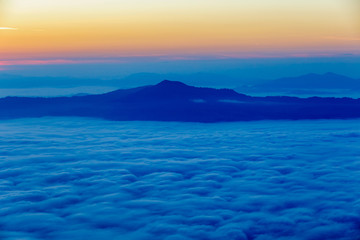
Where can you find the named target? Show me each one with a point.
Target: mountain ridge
(176, 101)
(315, 84)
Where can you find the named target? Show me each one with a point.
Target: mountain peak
(171, 83)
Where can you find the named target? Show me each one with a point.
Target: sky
(57, 33)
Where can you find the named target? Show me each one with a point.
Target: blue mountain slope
(176, 101)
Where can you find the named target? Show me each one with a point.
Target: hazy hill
(176, 101)
(329, 84)
(309, 84)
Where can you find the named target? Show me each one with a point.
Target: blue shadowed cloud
(90, 179)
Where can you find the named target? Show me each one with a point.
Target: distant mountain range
(310, 84)
(329, 84)
(176, 101)
(134, 80)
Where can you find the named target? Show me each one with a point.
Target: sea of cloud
(73, 178)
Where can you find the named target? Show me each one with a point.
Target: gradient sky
(113, 28)
(40, 32)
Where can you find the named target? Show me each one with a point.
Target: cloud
(71, 178)
(8, 28)
(43, 62)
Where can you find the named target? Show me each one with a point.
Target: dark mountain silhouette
(194, 79)
(176, 101)
(329, 84)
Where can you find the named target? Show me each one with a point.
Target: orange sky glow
(41, 29)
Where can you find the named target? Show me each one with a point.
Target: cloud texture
(69, 178)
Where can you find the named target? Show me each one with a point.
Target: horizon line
(128, 59)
